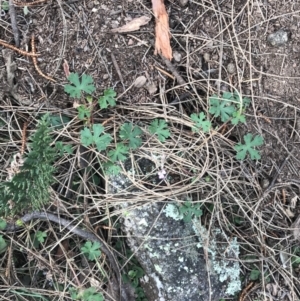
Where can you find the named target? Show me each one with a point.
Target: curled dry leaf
(162, 35)
(133, 25)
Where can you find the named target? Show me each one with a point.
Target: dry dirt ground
(218, 46)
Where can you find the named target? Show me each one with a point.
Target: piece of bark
(133, 25)
(162, 35)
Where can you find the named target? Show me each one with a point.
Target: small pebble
(231, 68)
(177, 56)
(183, 3)
(206, 57)
(140, 81)
(278, 38)
(130, 42)
(151, 87)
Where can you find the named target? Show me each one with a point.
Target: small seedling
(221, 108)
(133, 276)
(201, 122)
(91, 250)
(96, 136)
(189, 210)
(159, 128)
(238, 117)
(230, 106)
(108, 99)
(38, 238)
(86, 85)
(249, 145)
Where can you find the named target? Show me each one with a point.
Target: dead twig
(13, 22)
(35, 62)
(20, 51)
(113, 58)
(29, 3)
(180, 80)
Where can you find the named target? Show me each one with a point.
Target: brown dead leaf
(133, 25)
(162, 35)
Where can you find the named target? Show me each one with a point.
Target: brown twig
(13, 22)
(39, 71)
(180, 80)
(113, 58)
(20, 51)
(245, 291)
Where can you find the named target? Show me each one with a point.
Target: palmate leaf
(221, 108)
(131, 133)
(107, 99)
(159, 128)
(85, 85)
(118, 154)
(97, 136)
(238, 117)
(91, 250)
(200, 122)
(248, 147)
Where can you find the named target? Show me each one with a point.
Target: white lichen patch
(172, 211)
(159, 286)
(223, 257)
(158, 268)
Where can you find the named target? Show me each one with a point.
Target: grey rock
(278, 38)
(182, 261)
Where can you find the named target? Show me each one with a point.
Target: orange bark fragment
(162, 35)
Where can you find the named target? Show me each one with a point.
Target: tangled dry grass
(254, 201)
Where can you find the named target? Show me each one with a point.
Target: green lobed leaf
(83, 112)
(86, 137)
(40, 236)
(159, 128)
(107, 99)
(201, 122)
(248, 147)
(118, 154)
(131, 133)
(221, 108)
(91, 250)
(103, 142)
(238, 117)
(86, 85)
